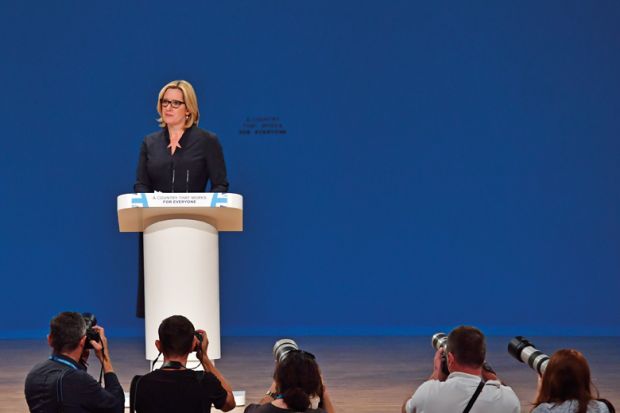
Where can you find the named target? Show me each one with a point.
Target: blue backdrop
(445, 163)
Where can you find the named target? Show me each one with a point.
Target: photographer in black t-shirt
(174, 388)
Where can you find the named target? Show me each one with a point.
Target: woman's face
(173, 116)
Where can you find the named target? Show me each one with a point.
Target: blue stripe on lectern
(217, 200)
(140, 200)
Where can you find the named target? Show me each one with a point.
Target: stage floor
(364, 374)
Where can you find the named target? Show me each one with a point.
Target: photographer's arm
(404, 408)
(327, 401)
(210, 367)
(414, 403)
(112, 398)
(489, 375)
(102, 351)
(437, 372)
(267, 398)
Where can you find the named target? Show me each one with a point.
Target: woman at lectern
(180, 157)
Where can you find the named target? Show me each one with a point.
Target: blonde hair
(189, 96)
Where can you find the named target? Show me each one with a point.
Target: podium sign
(138, 211)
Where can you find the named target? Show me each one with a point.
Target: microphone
(173, 173)
(187, 180)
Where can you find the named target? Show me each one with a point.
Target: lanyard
(173, 365)
(63, 361)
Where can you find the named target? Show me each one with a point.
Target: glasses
(175, 103)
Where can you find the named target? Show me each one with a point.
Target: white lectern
(181, 264)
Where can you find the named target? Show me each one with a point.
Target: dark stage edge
(364, 374)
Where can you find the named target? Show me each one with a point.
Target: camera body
(91, 333)
(199, 337)
(524, 351)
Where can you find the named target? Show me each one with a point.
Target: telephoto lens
(440, 340)
(91, 334)
(282, 347)
(525, 352)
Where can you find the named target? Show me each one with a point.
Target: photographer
(566, 386)
(297, 387)
(61, 383)
(174, 388)
(469, 387)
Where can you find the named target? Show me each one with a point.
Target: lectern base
(181, 276)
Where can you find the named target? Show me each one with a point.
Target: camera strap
(155, 361)
(172, 365)
(474, 397)
(607, 403)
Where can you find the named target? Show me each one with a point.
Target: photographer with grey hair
(61, 383)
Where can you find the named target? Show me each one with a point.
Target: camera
(91, 333)
(199, 337)
(525, 352)
(282, 347)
